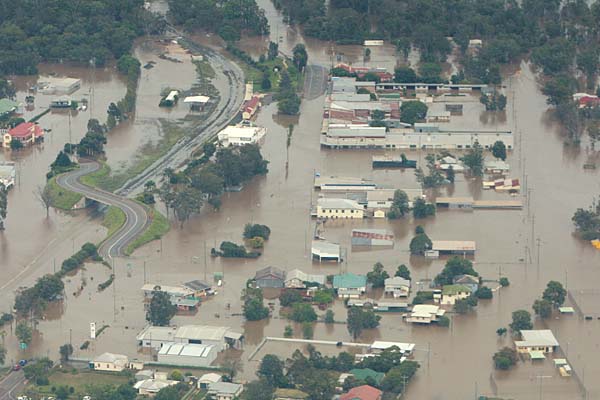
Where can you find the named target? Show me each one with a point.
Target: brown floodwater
(455, 362)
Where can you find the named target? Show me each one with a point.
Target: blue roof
(349, 280)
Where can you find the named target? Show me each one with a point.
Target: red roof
(26, 129)
(364, 392)
(589, 100)
(251, 104)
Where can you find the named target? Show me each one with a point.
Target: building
(372, 237)
(250, 107)
(61, 102)
(405, 348)
(270, 277)
(437, 116)
(225, 390)
(7, 107)
(397, 287)
(425, 314)
(150, 387)
(326, 251)
(221, 337)
(297, 279)
(184, 304)
(207, 379)
(143, 375)
(200, 288)
(462, 247)
(392, 162)
(26, 132)
(110, 362)
(362, 374)
(350, 285)
(542, 340)
(172, 291)
(8, 174)
(337, 208)
(383, 198)
(496, 167)
(364, 392)
(196, 102)
(239, 135)
(452, 293)
(342, 184)
(191, 355)
(52, 85)
(470, 281)
(290, 394)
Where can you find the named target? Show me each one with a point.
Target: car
(16, 367)
(23, 363)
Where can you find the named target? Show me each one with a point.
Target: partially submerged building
(397, 287)
(110, 362)
(542, 340)
(350, 285)
(338, 208)
(26, 132)
(462, 247)
(270, 277)
(425, 314)
(191, 354)
(240, 135)
(452, 293)
(372, 237)
(297, 279)
(221, 337)
(322, 250)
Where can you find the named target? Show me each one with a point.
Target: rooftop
(197, 285)
(324, 248)
(210, 377)
(187, 350)
(364, 373)
(534, 338)
(304, 277)
(397, 281)
(290, 394)
(241, 131)
(202, 332)
(349, 280)
(196, 99)
(453, 245)
(364, 392)
(25, 129)
(270, 271)
(382, 345)
(451, 290)
(7, 105)
(338, 203)
(224, 387)
(111, 358)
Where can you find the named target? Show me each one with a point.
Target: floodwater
(456, 362)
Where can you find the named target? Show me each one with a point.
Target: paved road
(11, 386)
(315, 81)
(136, 216)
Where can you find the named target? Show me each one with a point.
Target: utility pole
(144, 271)
(538, 240)
(205, 261)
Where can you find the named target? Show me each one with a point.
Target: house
(297, 279)
(290, 394)
(184, 304)
(425, 314)
(362, 374)
(250, 107)
(470, 281)
(110, 362)
(224, 390)
(200, 288)
(221, 337)
(26, 132)
(326, 251)
(438, 116)
(190, 355)
(397, 287)
(350, 285)
(144, 374)
(541, 340)
(364, 392)
(207, 379)
(240, 135)
(150, 387)
(462, 247)
(378, 346)
(270, 277)
(452, 293)
(172, 291)
(339, 208)
(53, 85)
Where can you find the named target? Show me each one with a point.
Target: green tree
(412, 111)
(271, 370)
(254, 230)
(323, 296)
(168, 393)
(288, 297)
(377, 276)
(273, 51)
(430, 72)
(542, 308)
(2, 354)
(66, 350)
(185, 203)
(420, 244)
(521, 320)
(455, 266)
(161, 310)
(484, 293)
(422, 209)
(501, 331)
(359, 319)
(3, 205)
(307, 330)
(504, 282)
(474, 159)
(49, 287)
(505, 358)
(463, 306)
(450, 174)
(62, 392)
(403, 272)
(288, 331)
(254, 309)
(265, 83)
(258, 390)
(329, 317)
(399, 206)
(559, 89)
(23, 332)
(303, 312)
(399, 376)
(405, 75)
(300, 56)
(555, 293)
(37, 371)
(499, 150)
(16, 144)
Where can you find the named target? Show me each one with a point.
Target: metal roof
(270, 272)
(337, 203)
(453, 245)
(201, 332)
(187, 350)
(349, 280)
(224, 387)
(197, 285)
(325, 249)
(397, 281)
(539, 337)
(450, 290)
(382, 345)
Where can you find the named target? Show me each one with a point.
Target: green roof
(363, 373)
(7, 106)
(537, 355)
(349, 281)
(450, 290)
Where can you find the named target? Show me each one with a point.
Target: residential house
(190, 355)
(144, 374)
(397, 287)
(364, 392)
(372, 237)
(378, 346)
(362, 374)
(290, 394)
(541, 340)
(225, 390)
(184, 304)
(270, 277)
(222, 337)
(240, 135)
(322, 250)
(350, 285)
(200, 288)
(8, 174)
(462, 247)
(150, 387)
(172, 291)
(470, 281)
(425, 314)
(339, 208)
(250, 107)
(207, 379)
(26, 132)
(452, 293)
(110, 362)
(297, 279)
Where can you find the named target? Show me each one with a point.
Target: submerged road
(13, 383)
(136, 216)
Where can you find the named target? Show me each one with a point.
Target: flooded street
(456, 362)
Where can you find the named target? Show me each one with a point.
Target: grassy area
(61, 198)
(204, 69)
(113, 220)
(79, 381)
(158, 227)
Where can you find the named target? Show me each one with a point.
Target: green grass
(100, 178)
(204, 69)
(80, 381)
(158, 227)
(113, 220)
(61, 198)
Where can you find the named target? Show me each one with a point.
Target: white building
(110, 362)
(397, 287)
(295, 279)
(425, 314)
(339, 208)
(172, 291)
(207, 379)
(52, 85)
(378, 346)
(221, 337)
(225, 390)
(383, 198)
(452, 293)
(239, 135)
(192, 355)
(326, 251)
(537, 340)
(150, 387)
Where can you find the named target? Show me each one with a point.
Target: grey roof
(201, 332)
(197, 285)
(270, 272)
(304, 277)
(224, 387)
(468, 279)
(337, 203)
(397, 281)
(356, 131)
(187, 350)
(534, 338)
(111, 358)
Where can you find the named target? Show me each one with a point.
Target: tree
(254, 230)
(403, 272)
(317, 385)
(504, 282)
(49, 287)
(555, 293)
(300, 56)
(168, 393)
(542, 308)
(412, 111)
(307, 330)
(254, 309)
(463, 306)
(484, 293)
(501, 331)
(66, 350)
(176, 375)
(161, 310)
(329, 317)
(273, 51)
(288, 331)
(359, 319)
(559, 89)
(450, 174)
(405, 75)
(521, 320)
(399, 376)
(289, 296)
(422, 209)
(377, 276)
(420, 244)
(23, 332)
(499, 150)
(258, 390)
(303, 312)
(271, 370)
(505, 358)
(2, 354)
(3, 204)
(265, 83)
(185, 203)
(474, 159)
(455, 266)
(399, 206)
(42, 193)
(62, 392)
(16, 144)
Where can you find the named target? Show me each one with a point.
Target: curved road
(136, 216)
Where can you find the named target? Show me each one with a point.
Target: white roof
(381, 345)
(153, 385)
(325, 249)
(453, 245)
(534, 338)
(196, 99)
(111, 358)
(181, 291)
(234, 131)
(304, 277)
(336, 203)
(397, 281)
(425, 310)
(210, 377)
(187, 350)
(158, 333)
(202, 332)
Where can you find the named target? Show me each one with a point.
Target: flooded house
(297, 279)
(542, 340)
(322, 250)
(270, 277)
(110, 362)
(349, 285)
(222, 337)
(452, 293)
(397, 287)
(27, 133)
(338, 208)
(425, 314)
(240, 135)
